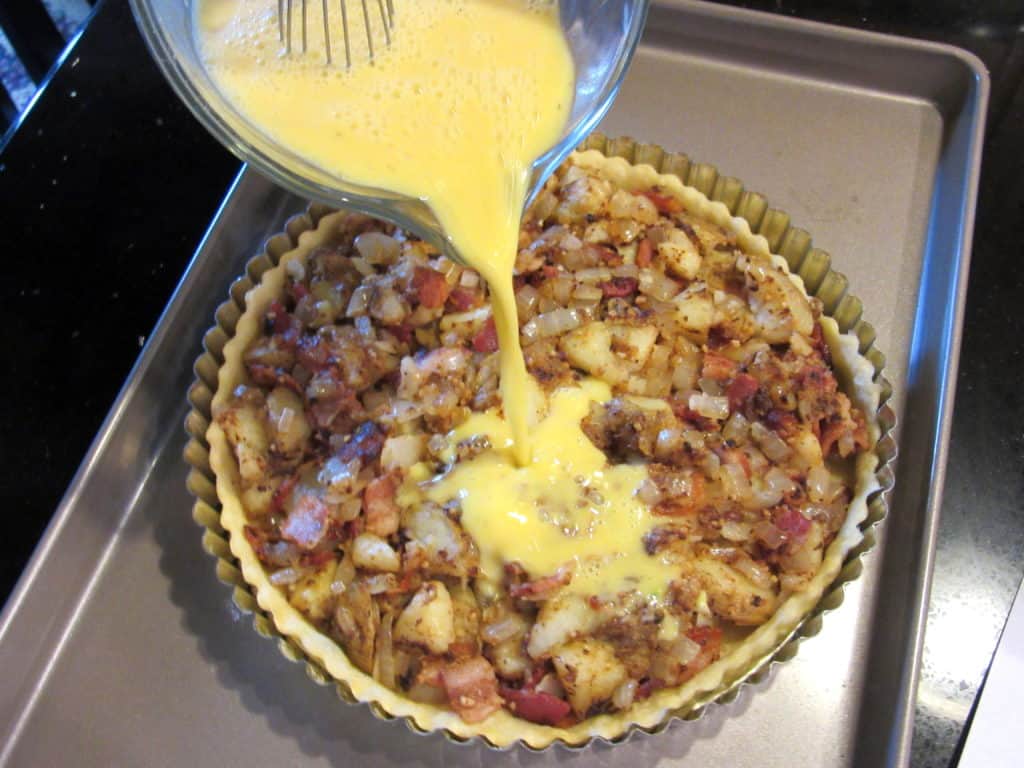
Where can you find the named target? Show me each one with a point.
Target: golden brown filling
(722, 391)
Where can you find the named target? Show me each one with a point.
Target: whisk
(284, 21)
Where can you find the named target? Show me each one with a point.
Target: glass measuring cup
(602, 35)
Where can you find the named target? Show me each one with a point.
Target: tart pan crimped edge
(794, 245)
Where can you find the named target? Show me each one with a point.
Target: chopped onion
(377, 248)
(296, 270)
(624, 695)
(734, 531)
(734, 482)
(626, 270)
(594, 275)
(768, 534)
(288, 576)
(758, 574)
(819, 485)
(648, 492)
(384, 658)
(657, 286)
(364, 326)
(586, 292)
(381, 583)
(685, 650)
(710, 387)
(709, 406)
(561, 289)
(668, 442)
(503, 629)
(553, 323)
(526, 302)
(469, 279)
(735, 428)
(552, 685)
(774, 447)
(359, 302)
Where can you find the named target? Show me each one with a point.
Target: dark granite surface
(108, 183)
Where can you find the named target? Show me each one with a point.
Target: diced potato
(312, 595)
(243, 426)
(467, 620)
(428, 621)
(402, 451)
(286, 417)
(465, 324)
(589, 673)
(375, 554)
(596, 232)
(731, 595)
(626, 205)
(682, 258)
(778, 305)
(561, 619)
(634, 343)
(583, 196)
(694, 309)
(257, 498)
(357, 618)
(808, 448)
(509, 660)
(440, 539)
(609, 351)
(590, 348)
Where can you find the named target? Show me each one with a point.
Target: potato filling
(717, 401)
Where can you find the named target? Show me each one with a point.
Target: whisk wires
(385, 9)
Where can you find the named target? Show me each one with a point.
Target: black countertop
(108, 183)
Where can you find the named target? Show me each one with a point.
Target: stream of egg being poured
(454, 112)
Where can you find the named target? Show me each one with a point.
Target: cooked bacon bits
(430, 287)
(619, 287)
(379, 505)
(472, 688)
(536, 706)
(379, 346)
(306, 523)
(486, 341)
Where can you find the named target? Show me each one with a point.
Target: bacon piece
(644, 253)
(619, 287)
(647, 687)
(742, 388)
(382, 512)
(472, 688)
(430, 287)
(710, 641)
(314, 353)
(791, 522)
(783, 422)
(486, 340)
(463, 299)
(306, 524)
(543, 588)
(679, 506)
(273, 552)
(365, 444)
(683, 411)
(536, 706)
(403, 332)
(283, 493)
(664, 203)
(718, 367)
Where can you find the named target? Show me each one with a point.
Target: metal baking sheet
(119, 647)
